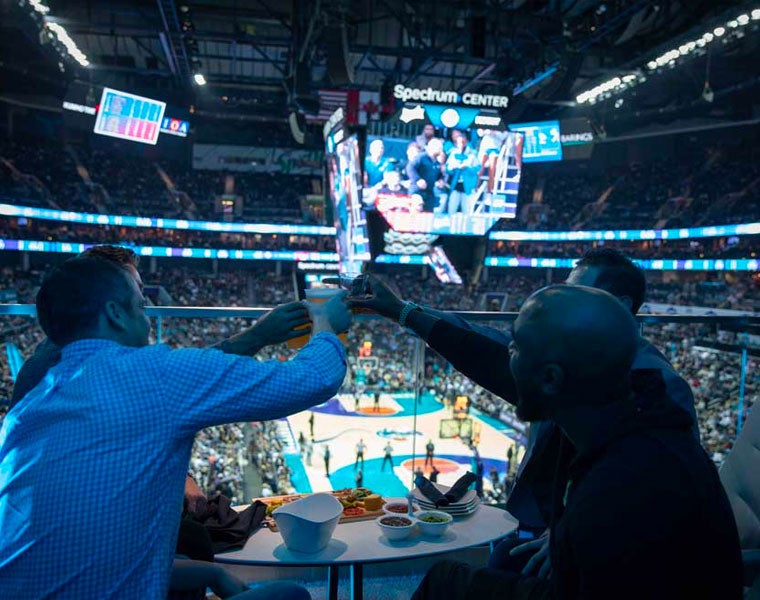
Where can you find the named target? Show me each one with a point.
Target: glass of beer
(317, 296)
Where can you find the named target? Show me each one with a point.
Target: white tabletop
(363, 542)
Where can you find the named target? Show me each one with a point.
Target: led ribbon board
(711, 264)
(684, 233)
(170, 252)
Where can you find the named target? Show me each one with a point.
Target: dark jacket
(646, 516)
(424, 167)
(482, 354)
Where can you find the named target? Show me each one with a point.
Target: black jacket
(645, 516)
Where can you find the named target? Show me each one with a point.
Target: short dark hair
(117, 254)
(74, 294)
(618, 274)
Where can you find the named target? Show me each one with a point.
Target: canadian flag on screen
(369, 107)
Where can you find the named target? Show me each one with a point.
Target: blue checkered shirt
(93, 460)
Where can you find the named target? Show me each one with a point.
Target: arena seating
(712, 185)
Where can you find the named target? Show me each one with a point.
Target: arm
(480, 353)
(275, 327)
(202, 388)
(205, 387)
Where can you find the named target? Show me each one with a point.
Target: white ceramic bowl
(433, 529)
(307, 524)
(403, 501)
(396, 532)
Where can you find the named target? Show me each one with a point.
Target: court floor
(340, 423)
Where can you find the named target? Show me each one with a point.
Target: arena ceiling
(265, 57)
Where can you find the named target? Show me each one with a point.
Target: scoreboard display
(542, 141)
(129, 117)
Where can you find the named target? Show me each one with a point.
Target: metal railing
(745, 323)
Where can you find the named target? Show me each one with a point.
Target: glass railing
(399, 397)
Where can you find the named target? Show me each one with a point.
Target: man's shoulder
(645, 464)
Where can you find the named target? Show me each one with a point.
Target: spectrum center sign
(431, 95)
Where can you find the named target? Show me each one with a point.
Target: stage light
(39, 7)
(743, 19)
(708, 37)
(719, 31)
(755, 14)
(733, 23)
(199, 79)
(68, 43)
(652, 65)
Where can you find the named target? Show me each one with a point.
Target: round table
(358, 543)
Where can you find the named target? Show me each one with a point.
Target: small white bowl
(307, 524)
(396, 532)
(433, 529)
(403, 501)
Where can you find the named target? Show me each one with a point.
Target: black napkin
(461, 486)
(226, 527)
(430, 491)
(455, 494)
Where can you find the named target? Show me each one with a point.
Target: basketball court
(342, 421)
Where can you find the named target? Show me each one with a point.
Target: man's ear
(115, 315)
(552, 378)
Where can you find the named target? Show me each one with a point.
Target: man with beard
(480, 353)
(643, 513)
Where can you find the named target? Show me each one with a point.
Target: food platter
(352, 500)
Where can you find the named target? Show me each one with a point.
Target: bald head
(571, 344)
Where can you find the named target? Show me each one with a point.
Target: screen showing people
(450, 181)
(344, 181)
(441, 265)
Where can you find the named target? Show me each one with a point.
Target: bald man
(479, 353)
(643, 513)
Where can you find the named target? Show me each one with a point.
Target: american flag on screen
(359, 106)
(329, 102)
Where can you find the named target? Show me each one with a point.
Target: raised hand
(332, 316)
(380, 299)
(279, 324)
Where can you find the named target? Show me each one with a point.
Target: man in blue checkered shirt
(93, 461)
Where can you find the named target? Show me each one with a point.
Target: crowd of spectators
(94, 180)
(715, 248)
(714, 375)
(706, 185)
(218, 460)
(266, 453)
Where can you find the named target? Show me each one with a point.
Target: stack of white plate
(467, 505)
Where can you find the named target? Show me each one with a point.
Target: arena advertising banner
(251, 159)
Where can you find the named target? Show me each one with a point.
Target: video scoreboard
(129, 117)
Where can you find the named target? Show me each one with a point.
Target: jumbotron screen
(344, 187)
(448, 175)
(129, 117)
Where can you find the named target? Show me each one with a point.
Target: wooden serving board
(269, 521)
(367, 516)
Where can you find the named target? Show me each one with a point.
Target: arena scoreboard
(129, 117)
